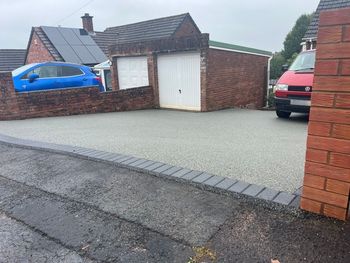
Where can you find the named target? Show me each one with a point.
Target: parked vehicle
(54, 75)
(103, 70)
(293, 89)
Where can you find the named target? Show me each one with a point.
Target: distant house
(310, 37)
(63, 44)
(184, 67)
(11, 59)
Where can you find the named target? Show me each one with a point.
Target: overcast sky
(260, 24)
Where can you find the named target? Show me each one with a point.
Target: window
(304, 61)
(34, 71)
(108, 79)
(66, 71)
(48, 72)
(43, 72)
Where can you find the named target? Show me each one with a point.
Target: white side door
(179, 80)
(132, 72)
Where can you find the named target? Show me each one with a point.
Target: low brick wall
(62, 102)
(327, 170)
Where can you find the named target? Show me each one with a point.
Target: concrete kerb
(199, 179)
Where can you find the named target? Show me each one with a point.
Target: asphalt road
(56, 208)
(252, 146)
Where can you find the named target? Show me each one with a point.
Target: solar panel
(84, 37)
(54, 35)
(68, 54)
(84, 54)
(97, 53)
(75, 45)
(69, 35)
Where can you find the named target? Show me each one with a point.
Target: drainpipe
(268, 81)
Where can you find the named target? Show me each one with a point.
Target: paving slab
(162, 168)
(154, 166)
(181, 173)
(268, 194)
(213, 181)
(239, 187)
(284, 198)
(253, 190)
(172, 170)
(226, 183)
(191, 175)
(201, 178)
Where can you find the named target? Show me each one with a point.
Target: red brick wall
(37, 52)
(235, 80)
(327, 169)
(187, 28)
(68, 101)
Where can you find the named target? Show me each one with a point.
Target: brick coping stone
(198, 179)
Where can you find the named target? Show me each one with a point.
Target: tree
(294, 37)
(276, 65)
(291, 46)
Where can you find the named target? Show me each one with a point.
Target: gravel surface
(253, 146)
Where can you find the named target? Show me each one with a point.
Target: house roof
(146, 30)
(312, 30)
(11, 59)
(237, 48)
(70, 45)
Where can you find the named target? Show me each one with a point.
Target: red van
(293, 89)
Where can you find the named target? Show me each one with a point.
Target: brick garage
(63, 102)
(327, 170)
(228, 76)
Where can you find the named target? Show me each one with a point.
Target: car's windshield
(20, 70)
(304, 61)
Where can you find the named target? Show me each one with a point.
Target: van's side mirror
(33, 77)
(285, 67)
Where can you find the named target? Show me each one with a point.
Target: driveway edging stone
(198, 179)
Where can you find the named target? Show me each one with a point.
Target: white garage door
(179, 81)
(132, 72)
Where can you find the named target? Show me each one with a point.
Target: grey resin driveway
(253, 146)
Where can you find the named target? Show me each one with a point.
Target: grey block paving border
(196, 178)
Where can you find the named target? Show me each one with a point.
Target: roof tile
(11, 59)
(312, 30)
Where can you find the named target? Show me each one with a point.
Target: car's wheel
(283, 114)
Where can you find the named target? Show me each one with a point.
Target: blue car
(54, 75)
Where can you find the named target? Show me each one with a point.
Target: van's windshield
(304, 61)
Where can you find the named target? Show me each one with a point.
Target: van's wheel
(283, 114)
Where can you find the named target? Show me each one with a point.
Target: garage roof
(241, 49)
(146, 30)
(312, 30)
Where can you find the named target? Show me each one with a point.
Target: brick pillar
(8, 98)
(114, 73)
(327, 167)
(204, 70)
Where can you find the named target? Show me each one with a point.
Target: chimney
(87, 23)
